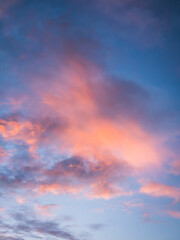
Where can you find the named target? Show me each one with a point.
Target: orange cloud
(96, 190)
(160, 190)
(76, 114)
(56, 188)
(75, 105)
(87, 132)
(24, 131)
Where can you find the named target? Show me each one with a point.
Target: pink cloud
(25, 131)
(161, 190)
(107, 191)
(112, 145)
(56, 188)
(133, 204)
(174, 214)
(45, 210)
(87, 131)
(82, 114)
(20, 199)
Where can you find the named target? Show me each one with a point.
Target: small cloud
(97, 226)
(20, 199)
(45, 210)
(161, 190)
(127, 206)
(146, 216)
(174, 214)
(1, 209)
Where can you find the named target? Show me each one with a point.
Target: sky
(89, 119)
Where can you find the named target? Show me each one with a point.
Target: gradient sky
(89, 119)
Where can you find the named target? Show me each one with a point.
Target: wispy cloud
(174, 214)
(161, 190)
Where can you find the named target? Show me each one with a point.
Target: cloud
(136, 21)
(161, 190)
(89, 117)
(77, 175)
(78, 130)
(175, 167)
(86, 113)
(146, 216)
(45, 210)
(67, 126)
(45, 228)
(97, 226)
(20, 199)
(128, 206)
(107, 191)
(26, 225)
(1, 209)
(4, 155)
(174, 214)
(25, 131)
(8, 237)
